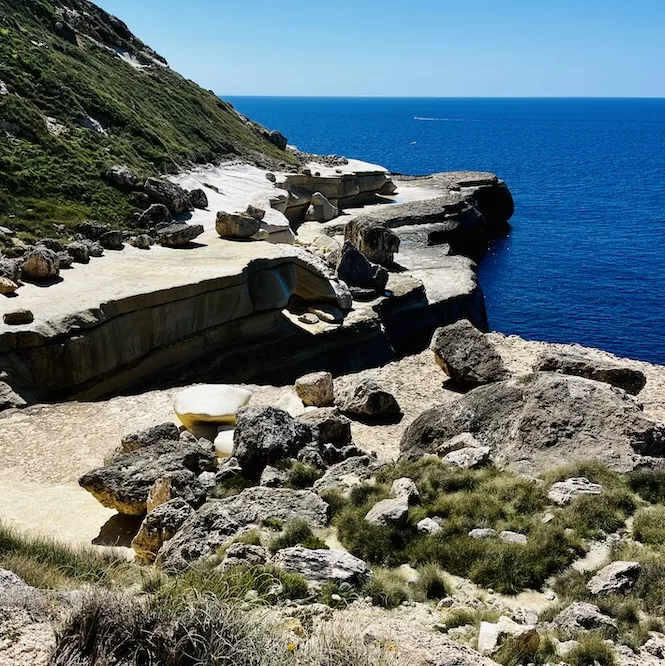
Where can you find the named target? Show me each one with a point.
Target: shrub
(649, 484)
(592, 650)
(297, 533)
(649, 526)
(300, 476)
(432, 581)
(388, 588)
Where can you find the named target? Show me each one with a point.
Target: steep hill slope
(80, 93)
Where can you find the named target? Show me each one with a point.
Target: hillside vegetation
(80, 93)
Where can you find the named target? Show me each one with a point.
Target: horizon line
(613, 97)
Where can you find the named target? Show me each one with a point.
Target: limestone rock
(169, 194)
(18, 317)
(253, 505)
(615, 578)
(7, 286)
(513, 537)
(124, 482)
(228, 469)
(405, 488)
(531, 423)
(242, 554)
(255, 213)
(428, 526)
(179, 234)
(471, 457)
(52, 244)
(236, 225)
(366, 399)
(39, 263)
(266, 435)
(564, 492)
(201, 535)
(224, 441)
(149, 436)
(464, 440)
(346, 474)
(524, 638)
(79, 252)
(375, 240)
(10, 269)
(210, 403)
(582, 616)
(389, 512)
(160, 525)
(356, 270)
(198, 198)
(65, 260)
(112, 240)
(316, 389)
(321, 210)
(321, 566)
(121, 177)
(277, 139)
(629, 379)
(482, 533)
(271, 477)
(182, 484)
(291, 404)
(332, 426)
(9, 398)
(467, 356)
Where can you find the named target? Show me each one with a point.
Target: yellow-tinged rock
(210, 403)
(7, 286)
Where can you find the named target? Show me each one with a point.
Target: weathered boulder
(523, 638)
(65, 261)
(79, 252)
(39, 263)
(266, 435)
(236, 225)
(149, 436)
(160, 525)
(91, 230)
(508, 536)
(615, 578)
(356, 270)
(330, 424)
(153, 215)
(141, 242)
(321, 210)
(467, 356)
(95, 248)
(18, 317)
(531, 423)
(271, 477)
(291, 404)
(346, 474)
(367, 400)
(7, 286)
(255, 212)
(179, 234)
(198, 198)
(52, 244)
(482, 533)
(321, 566)
(470, 457)
(564, 492)
(200, 536)
(243, 554)
(112, 240)
(428, 526)
(389, 512)
(277, 139)
(210, 403)
(405, 488)
(582, 616)
(629, 379)
(169, 194)
(10, 269)
(121, 177)
(253, 505)
(124, 482)
(183, 484)
(316, 389)
(9, 398)
(375, 240)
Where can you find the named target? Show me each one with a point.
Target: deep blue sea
(585, 261)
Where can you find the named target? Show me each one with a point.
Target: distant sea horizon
(585, 260)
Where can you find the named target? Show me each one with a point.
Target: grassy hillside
(65, 61)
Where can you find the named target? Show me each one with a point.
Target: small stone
(482, 533)
(428, 526)
(7, 286)
(469, 458)
(309, 318)
(405, 488)
(18, 318)
(316, 389)
(513, 537)
(564, 492)
(255, 213)
(389, 512)
(236, 225)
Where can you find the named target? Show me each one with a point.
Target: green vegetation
(297, 533)
(300, 476)
(487, 498)
(591, 651)
(649, 526)
(155, 121)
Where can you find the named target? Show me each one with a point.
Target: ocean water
(585, 261)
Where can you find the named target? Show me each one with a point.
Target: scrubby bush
(300, 476)
(388, 588)
(297, 533)
(649, 484)
(649, 526)
(592, 651)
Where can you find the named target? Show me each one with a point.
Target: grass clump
(649, 484)
(649, 526)
(388, 588)
(300, 476)
(592, 651)
(512, 654)
(297, 533)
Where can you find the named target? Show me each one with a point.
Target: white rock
(566, 491)
(210, 404)
(224, 441)
(291, 404)
(488, 637)
(428, 526)
(406, 488)
(513, 537)
(316, 389)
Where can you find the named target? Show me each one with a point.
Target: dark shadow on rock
(119, 530)
(390, 419)
(184, 217)
(12, 295)
(192, 245)
(45, 283)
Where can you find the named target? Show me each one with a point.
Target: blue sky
(610, 48)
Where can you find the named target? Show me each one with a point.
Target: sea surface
(585, 261)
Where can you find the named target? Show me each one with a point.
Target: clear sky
(612, 48)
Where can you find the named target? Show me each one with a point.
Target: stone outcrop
(236, 225)
(629, 379)
(582, 616)
(615, 578)
(124, 482)
(533, 422)
(367, 400)
(467, 356)
(564, 492)
(169, 194)
(321, 566)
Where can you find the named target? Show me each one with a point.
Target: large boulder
(320, 566)
(534, 422)
(392, 511)
(179, 234)
(321, 210)
(346, 474)
(330, 424)
(277, 139)
(124, 482)
(40, 263)
(564, 492)
(210, 403)
(198, 198)
(629, 379)
(79, 252)
(356, 270)
(375, 240)
(316, 389)
(159, 433)
(10, 269)
(160, 525)
(582, 616)
(265, 435)
(367, 400)
(236, 226)
(467, 356)
(181, 484)
(167, 193)
(112, 240)
(155, 214)
(615, 578)
(121, 177)
(200, 536)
